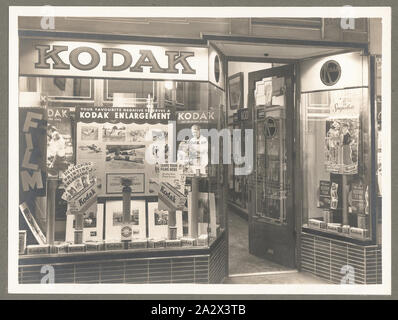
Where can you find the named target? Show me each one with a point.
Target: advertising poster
(59, 140)
(118, 140)
(193, 141)
(341, 145)
(324, 194)
(32, 165)
(114, 219)
(93, 220)
(158, 226)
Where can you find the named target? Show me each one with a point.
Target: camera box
(346, 229)
(77, 248)
(203, 240)
(60, 248)
(156, 243)
(188, 242)
(94, 246)
(359, 233)
(138, 244)
(336, 227)
(173, 243)
(114, 245)
(38, 249)
(314, 223)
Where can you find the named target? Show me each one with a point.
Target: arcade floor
(247, 268)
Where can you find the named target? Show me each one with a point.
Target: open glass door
(271, 216)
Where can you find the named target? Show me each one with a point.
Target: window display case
(134, 143)
(126, 166)
(335, 134)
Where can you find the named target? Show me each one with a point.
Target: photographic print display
(93, 220)
(114, 215)
(158, 227)
(89, 133)
(125, 136)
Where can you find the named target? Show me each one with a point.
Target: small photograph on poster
(125, 156)
(89, 219)
(92, 224)
(118, 217)
(137, 133)
(89, 133)
(114, 218)
(161, 217)
(157, 133)
(113, 132)
(113, 182)
(90, 151)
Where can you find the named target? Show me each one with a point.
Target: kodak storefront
(116, 180)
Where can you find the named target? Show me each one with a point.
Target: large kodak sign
(72, 58)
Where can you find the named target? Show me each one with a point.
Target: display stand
(126, 231)
(78, 238)
(194, 205)
(172, 224)
(52, 184)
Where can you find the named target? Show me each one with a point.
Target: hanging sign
(89, 59)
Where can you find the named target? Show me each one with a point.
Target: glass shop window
(336, 158)
(139, 203)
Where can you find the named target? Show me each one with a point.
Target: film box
(359, 232)
(314, 223)
(173, 243)
(346, 229)
(335, 227)
(202, 240)
(156, 243)
(22, 242)
(114, 245)
(94, 246)
(38, 249)
(138, 244)
(188, 242)
(77, 248)
(60, 248)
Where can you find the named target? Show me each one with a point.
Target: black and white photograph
(89, 133)
(113, 132)
(125, 156)
(253, 156)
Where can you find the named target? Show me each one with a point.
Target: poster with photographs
(193, 144)
(93, 219)
(341, 145)
(90, 151)
(89, 133)
(114, 219)
(113, 132)
(118, 141)
(158, 222)
(129, 156)
(59, 140)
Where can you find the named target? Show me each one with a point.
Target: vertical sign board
(32, 161)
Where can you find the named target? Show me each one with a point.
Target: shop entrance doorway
(271, 205)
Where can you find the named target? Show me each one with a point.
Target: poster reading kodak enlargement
(118, 141)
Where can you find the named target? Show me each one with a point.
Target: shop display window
(116, 174)
(336, 159)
